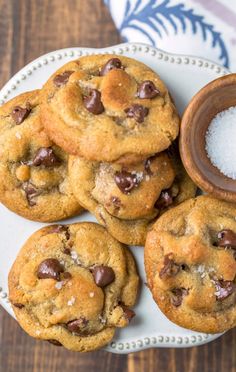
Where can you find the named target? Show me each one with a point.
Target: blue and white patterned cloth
(204, 28)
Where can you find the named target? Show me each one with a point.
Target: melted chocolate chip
(113, 63)
(103, 275)
(50, 268)
(77, 325)
(137, 112)
(227, 239)
(66, 276)
(126, 181)
(147, 90)
(46, 156)
(54, 342)
(18, 305)
(62, 79)
(61, 229)
(165, 200)
(178, 295)
(67, 251)
(93, 102)
(19, 114)
(224, 288)
(128, 313)
(30, 192)
(170, 268)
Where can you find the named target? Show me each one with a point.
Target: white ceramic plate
(184, 76)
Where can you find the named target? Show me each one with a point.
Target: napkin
(203, 28)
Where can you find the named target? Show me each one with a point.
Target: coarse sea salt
(18, 135)
(220, 142)
(71, 301)
(59, 285)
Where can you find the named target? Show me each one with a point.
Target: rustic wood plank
(29, 28)
(6, 30)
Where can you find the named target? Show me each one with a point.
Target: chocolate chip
(19, 114)
(113, 63)
(18, 305)
(66, 275)
(46, 156)
(93, 102)
(227, 239)
(30, 192)
(54, 342)
(128, 313)
(103, 275)
(77, 325)
(50, 268)
(62, 79)
(224, 288)
(170, 268)
(60, 229)
(147, 166)
(67, 251)
(178, 295)
(165, 200)
(137, 112)
(147, 90)
(57, 229)
(126, 181)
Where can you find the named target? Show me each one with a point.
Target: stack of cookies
(116, 119)
(101, 135)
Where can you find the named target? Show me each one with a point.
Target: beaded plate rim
(50, 57)
(11, 86)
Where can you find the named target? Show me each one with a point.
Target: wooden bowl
(216, 96)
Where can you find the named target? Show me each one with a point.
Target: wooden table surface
(28, 29)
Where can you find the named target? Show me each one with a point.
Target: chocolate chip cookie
(190, 263)
(33, 170)
(127, 199)
(109, 108)
(73, 285)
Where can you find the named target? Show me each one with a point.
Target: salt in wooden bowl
(215, 97)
